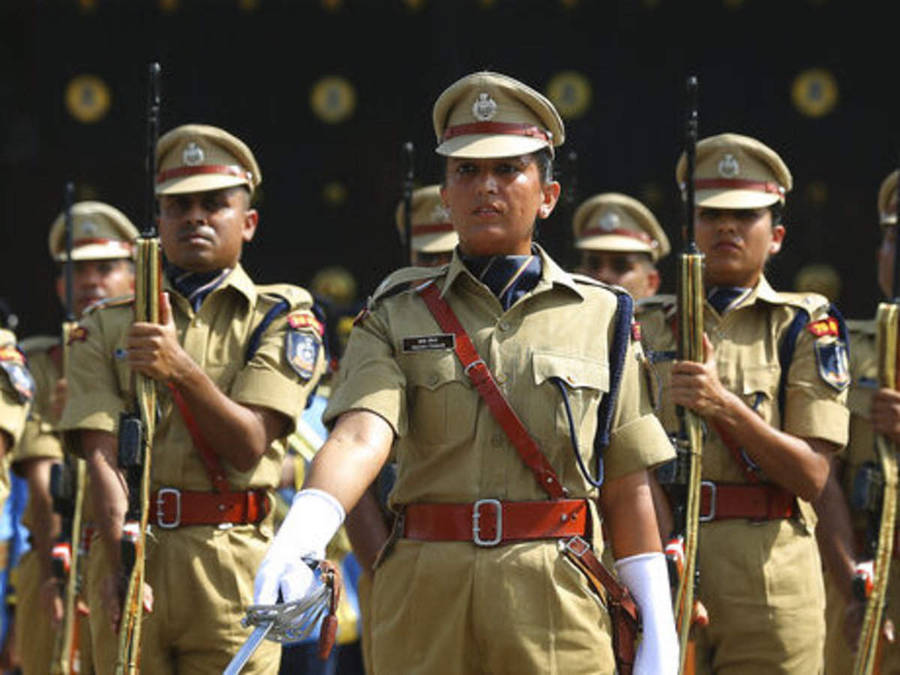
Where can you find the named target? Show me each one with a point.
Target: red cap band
(221, 169)
(507, 128)
(739, 184)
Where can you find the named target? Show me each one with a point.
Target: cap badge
(609, 221)
(441, 214)
(88, 228)
(728, 166)
(193, 154)
(484, 107)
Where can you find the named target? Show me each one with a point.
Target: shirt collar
(238, 279)
(551, 273)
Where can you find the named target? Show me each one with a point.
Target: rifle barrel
(69, 264)
(153, 105)
(691, 127)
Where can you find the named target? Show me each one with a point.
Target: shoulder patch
(118, 301)
(302, 342)
(833, 363)
(12, 362)
(824, 327)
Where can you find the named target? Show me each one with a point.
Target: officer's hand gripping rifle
(886, 344)
(689, 441)
(137, 427)
(68, 494)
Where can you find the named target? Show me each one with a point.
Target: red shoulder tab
(300, 320)
(636, 331)
(824, 327)
(78, 334)
(12, 354)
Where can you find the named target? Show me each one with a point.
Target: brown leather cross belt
(489, 522)
(171, 508)
(759, 501)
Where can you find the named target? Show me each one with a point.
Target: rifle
(68, 495)
(887, 319)
(137, 427)
(681, 550)
(409, 177)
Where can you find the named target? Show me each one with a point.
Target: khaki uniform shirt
(100, 382)
(16, 394)
(760, 581)
(40, 439)
(452, 607)
(203, 575)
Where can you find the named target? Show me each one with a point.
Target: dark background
(249, 66)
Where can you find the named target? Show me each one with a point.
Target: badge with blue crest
(300, 345)
(833, 363)
(13, 363)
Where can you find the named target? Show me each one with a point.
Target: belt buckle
(160, 510)
(476, 517)
(712, 501)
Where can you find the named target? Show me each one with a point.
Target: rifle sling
(210, 459)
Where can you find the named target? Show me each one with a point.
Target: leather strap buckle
(161, 508)
(476, 522)
(713, 493)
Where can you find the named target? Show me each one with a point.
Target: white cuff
(647, 578)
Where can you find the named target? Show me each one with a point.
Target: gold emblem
(87, 98)
(440, 214)
(609, 221)
(728, 166)
(333, 99)
(88, 229)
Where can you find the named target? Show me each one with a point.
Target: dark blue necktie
(195, 286)
(720, 297)
(508, 276)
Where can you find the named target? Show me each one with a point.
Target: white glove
(647, 578)
(310, 524)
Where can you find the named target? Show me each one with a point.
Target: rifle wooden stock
(146, 308)
(690, 348)
(867, 652)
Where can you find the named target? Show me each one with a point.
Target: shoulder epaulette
(591, 281)
(106, 303)
(295, 295)
(861, 326)
(39, 343)
(403, 279)
(665, 303)
(811, 302)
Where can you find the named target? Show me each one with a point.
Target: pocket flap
(431, 370)
(760, 379)
(575, 371)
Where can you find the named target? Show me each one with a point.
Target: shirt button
(504, 325)
(496, 440)
(501, 378)
(432, 379)
(570, 379)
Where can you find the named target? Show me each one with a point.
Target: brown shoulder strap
(483, 381)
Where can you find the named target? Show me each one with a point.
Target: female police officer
(475, 580)
(772, 391)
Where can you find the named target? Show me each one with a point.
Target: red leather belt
(760, 501)
(171, 508)
(489, 522)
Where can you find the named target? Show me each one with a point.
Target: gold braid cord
(867, 649)
(690, 337)
(146, 308)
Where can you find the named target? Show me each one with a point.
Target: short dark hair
(543, 158)
(777, 211)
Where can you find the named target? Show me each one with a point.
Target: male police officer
(102, 269)
(236, 363)
(620, 242)
(842, 530)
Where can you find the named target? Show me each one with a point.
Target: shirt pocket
(759, 389)
(442, 403)
(562, 377)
